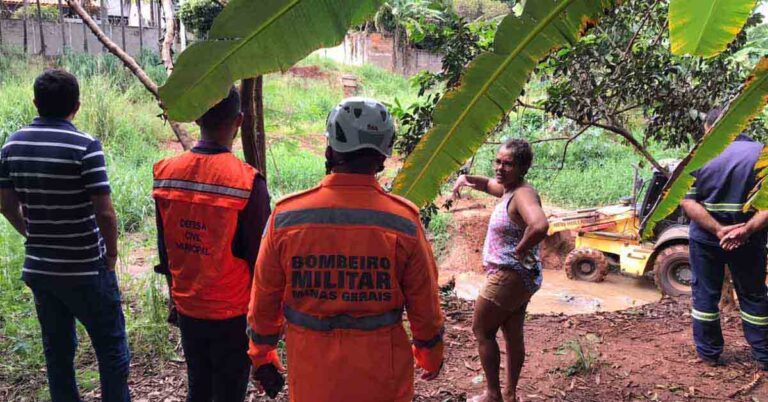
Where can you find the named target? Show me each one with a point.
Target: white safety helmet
(358, 123)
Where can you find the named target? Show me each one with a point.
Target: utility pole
(40, 27)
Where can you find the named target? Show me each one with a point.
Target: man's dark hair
(713, 115)
(223, 112)
(56, 93)
(522, 154)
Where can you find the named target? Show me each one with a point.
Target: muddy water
(558, 294)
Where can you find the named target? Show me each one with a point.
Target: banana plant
(251, 38)
(489, 89)
(706, 27)
(740, 112)
(758, 197)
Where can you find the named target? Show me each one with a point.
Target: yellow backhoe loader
(610, 236)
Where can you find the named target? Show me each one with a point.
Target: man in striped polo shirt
(55, 192)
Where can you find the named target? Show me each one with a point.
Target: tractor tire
(586, 264)
(672, 271)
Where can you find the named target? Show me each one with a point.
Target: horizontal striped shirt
(55, 169)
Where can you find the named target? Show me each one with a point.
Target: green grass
(438, 229)
(597, 170)
(118, 111)
(300, 105)
(292, 169)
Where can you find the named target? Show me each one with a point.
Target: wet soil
(639, 354)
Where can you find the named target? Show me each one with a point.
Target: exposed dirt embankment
(467, 234)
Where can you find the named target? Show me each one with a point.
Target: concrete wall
(73, 35)
(362, 48)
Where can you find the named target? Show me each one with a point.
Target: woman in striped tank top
(511, 260)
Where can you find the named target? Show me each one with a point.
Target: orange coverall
(339, 263)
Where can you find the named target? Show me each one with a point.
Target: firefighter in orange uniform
(339, 263)
(211, 208)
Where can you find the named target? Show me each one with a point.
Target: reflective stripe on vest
(346, 216)
(343, 321)
(203, 187)
(262, 339)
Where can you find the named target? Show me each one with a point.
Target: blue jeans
(747, 266)
(97, 306)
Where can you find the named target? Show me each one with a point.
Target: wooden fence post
(61, 25)
(122, 19)
(2, 8)
(26, 34)
(40, 27)
(141, 27)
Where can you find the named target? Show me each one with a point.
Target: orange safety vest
(199, 198)
(339, 264)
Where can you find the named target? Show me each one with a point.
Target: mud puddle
(558, 294)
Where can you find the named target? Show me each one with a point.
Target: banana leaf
(758, 197)
(706, 27)
(489, 88)
(740, 112)
(254, 37)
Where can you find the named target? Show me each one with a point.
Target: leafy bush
(48, 13)
(198, 15)
(481, 9)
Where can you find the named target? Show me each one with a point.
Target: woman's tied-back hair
(522, 154)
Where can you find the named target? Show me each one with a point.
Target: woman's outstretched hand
(461, 181)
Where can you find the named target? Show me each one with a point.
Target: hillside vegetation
(118, 111)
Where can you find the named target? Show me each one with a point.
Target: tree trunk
(252, 129)
(141, 27)
(85, 30)
(159, 23)
(170, 33)
(151, 13)
(103, 15)
(2, 8)
(40, 27)
(122, 21)
(248, 128)
(395, 47)
(61, 25)
(181, 134)
(26, 44)
(261, 134)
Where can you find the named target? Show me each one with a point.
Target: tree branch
(570, 140)
(181, 134)
(614, 129)
(635, 144)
